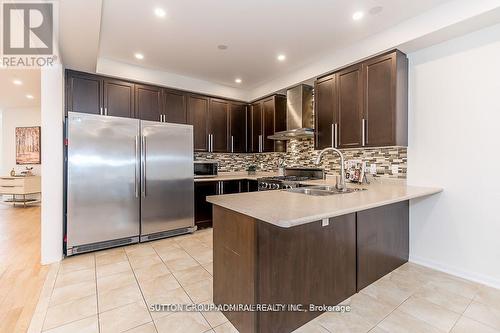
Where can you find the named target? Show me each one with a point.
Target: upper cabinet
(325, 115)
(237, 127)
(197, 113)
(385, 84)
(267, 116)
(349, 129)
(148, 103)
(218, 123)
(84, 93)
(364, 105)
(118, 98)
(174, 106)
(99, 95)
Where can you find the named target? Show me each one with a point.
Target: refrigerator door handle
(137, 167)
(143, 166)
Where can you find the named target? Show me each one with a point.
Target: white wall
(454, 143)
(10, 119)
(52, 168)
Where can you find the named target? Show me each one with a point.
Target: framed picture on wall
(28, 145)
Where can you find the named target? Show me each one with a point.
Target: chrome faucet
(340, 184)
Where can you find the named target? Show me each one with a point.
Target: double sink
(323, 190)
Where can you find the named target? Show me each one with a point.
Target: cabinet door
(147, 102)
(218, 124)
(84, 93)
(382, 241)
(349, 111)
(268, 109)
(232, 186)
(279, 121)
(118, 98)
(174, 106)
(379, 100)
(203, 209)
(197, 109)
(256, 126)
(325, 111)
(238, 128)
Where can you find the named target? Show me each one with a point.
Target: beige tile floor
(109, 291)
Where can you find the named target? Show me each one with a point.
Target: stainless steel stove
(292, 179)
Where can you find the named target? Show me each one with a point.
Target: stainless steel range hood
(299, 114)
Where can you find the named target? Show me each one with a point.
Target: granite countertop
(287, 209)
(235, 176)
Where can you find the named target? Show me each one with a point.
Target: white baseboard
(475, 277)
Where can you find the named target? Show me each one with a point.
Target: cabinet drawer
(11, 190)
(12, 182)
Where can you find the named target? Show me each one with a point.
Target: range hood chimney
(299, 114)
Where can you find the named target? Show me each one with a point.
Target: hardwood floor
(21, 275)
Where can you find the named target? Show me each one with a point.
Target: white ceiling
(14, 96)
(185, 41)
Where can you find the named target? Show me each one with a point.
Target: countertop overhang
(286, 209)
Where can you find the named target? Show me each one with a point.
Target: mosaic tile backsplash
(301, 153)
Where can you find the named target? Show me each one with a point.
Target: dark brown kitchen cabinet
(218, 121)
(365, 104)
(325, 115)
(255, 127)
(267, 117)
(232, 186)
(197, 112)
(237, 127)
(147, 102)
(382, 241)
(349, 108)
(385, 81)
(174, 106)
(203, 209)
(84, 93)
(118, 98)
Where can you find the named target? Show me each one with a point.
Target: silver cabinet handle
(336, 128)
(101, 112)
(212, 143)
(333, 135)
(260, 144)
(160, 118)
(143, 166)
(232, 144)
(363, 129)
(208, 142)
(105, 111)
(136, 167)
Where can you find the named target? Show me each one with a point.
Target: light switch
(395, 169)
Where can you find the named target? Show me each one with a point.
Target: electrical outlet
(325, 222)
(395, 169)
(373, 169)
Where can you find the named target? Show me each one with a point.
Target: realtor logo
(28, 28)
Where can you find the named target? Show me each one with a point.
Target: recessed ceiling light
(160, 12)
(222, 47)
(29, 96)
(281, 57)
(237, 80)
(357, 16)
(17, 82)
(139, 56)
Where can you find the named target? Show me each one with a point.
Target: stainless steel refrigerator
(127, 181)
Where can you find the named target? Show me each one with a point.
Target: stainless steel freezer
(167, 186)
(127, 180)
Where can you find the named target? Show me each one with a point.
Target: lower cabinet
(383, 241)
(202, 189)
(203, 209)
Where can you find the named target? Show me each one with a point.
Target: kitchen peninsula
(280, 247)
